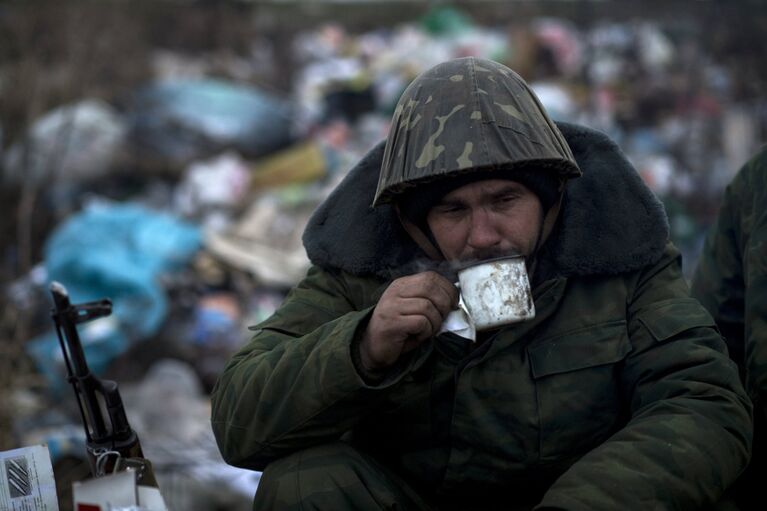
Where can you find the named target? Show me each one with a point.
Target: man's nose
(483, 233)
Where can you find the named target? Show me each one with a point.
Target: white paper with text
(26, 480)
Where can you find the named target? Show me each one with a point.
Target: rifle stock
(111, 442)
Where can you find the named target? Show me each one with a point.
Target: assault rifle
(110, 442)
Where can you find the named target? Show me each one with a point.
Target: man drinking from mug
(617, 394)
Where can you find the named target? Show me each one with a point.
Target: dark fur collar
(610, 221)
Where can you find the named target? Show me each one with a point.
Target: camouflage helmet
(466, 115)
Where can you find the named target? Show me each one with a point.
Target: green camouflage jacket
(731, 277)
(618, 395)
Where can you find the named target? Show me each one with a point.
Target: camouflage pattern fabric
(731, 277)
(458, 117)
(618, 395)
(731, 282)
(333, 476)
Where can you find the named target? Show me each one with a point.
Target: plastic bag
(181, 121)
(116, 252)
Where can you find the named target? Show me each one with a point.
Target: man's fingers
(417, 327)
(432, 286)
(418, 307)
(411, 310)
(446, 296)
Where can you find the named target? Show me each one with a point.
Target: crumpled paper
(459, 322)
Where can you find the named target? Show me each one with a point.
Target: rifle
(111, 445)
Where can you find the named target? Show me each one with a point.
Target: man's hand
(410, 311)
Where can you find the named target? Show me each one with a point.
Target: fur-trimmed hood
(610, 221)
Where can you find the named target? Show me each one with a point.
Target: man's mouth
(484, 255)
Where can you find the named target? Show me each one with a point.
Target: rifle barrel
(86, 386)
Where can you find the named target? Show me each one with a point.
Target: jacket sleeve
(731, 277)
(755, 257)
(719, 282)
(688, 434)
(294, 384)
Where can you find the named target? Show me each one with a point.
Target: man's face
(486, 219)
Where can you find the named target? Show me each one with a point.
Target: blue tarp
(182, 120)
(114, 251)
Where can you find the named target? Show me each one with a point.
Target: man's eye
(450, 209)
(506, 199)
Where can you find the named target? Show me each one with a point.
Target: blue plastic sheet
(182, 120)
(116, 252)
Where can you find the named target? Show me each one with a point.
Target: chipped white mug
(497, 292)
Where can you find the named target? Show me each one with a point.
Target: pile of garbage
(186, 203)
